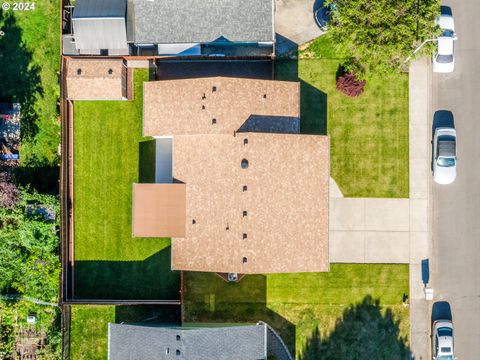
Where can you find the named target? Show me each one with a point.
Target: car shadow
(442, 118)
(445, 10)
(441, 310)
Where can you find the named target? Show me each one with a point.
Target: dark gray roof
(99, 8)
(199, 21)
(100, 24)
(128, 342)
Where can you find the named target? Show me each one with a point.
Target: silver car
(442, 340)
(444, 162)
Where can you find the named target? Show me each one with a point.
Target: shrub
(350, 85)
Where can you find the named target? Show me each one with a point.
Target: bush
(348, 83)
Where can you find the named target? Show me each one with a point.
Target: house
(215, 341)
(237, 187)
(172, 28)
(96, 79)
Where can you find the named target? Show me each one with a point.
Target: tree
(379, 35)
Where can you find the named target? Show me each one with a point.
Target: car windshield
(444, 331)
(445, 357)
(445, 162)
(444, 59)
(448, 33)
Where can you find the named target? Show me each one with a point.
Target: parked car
(444, 58)
(444, 154)
(442, 340)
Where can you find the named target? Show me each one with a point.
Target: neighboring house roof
(158, 210)
(285, 227)
(100, 24)
(95, 79)
(127, 342)
(182, 107)
(193, 21)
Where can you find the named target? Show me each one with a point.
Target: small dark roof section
(193, 21)
(127, 342)
(99, 8)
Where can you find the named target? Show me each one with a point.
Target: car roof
(446, 22)
(445, 45)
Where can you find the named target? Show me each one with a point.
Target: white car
(442, 340)
(444, 58)
(444, 155)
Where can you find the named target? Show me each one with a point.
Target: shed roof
(193, 21)
(127, 342)
(95, 79)
(285, 227)
(158, 210)
(188, 106)
(100, 25)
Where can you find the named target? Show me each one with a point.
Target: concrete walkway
(294, 24)
(367, 230)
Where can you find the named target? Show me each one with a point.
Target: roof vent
(203, 107)
(244, 260)
(194, 221)
(244, 213)
(177, 352)
(110, 71)
(214, 88)
(245, 188)
(79, 71)
(264, 96)
(204, 96)
(244, 236)
(178, 338)
(244, 164)
(214, 121)
(167, 351)
(245, 141)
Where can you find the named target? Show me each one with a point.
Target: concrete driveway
(294, 24)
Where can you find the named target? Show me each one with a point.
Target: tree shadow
(20, 78)
(148, 314)
(363, 332)
(209, 298)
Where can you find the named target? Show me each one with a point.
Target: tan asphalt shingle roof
(175, 107)
(95, 79)
(286, 201)
(158, 210)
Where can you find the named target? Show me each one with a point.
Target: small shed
(99, 27)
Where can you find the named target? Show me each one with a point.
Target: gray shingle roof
(100, 24)
(199, 21)
(128, 342)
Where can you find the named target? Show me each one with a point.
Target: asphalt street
(455, 263)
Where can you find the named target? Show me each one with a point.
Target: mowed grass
(89, 325)
(368, 134)
(89, 331)
(299, 305)
(109, 263)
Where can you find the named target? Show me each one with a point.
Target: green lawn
(89, 325)
(312, 310)
(368, 134)
(109, 263)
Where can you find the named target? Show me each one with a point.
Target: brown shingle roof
(285, 228)
(95, 79)
(182, 107)
(158, 210)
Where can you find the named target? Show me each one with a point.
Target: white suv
(444, 58)
(444, 155)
